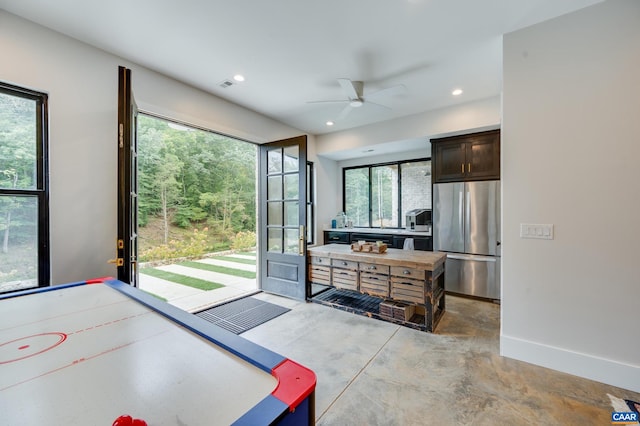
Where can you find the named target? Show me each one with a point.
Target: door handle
(301, 241)
(118, 261)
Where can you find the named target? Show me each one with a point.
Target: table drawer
(319, 260)
(407, 290)
(373, 268)
(320, 274)
(344, 278)
(374, 284)
(346, 264)
(416, 274)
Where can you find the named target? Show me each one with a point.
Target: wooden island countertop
(416, 259)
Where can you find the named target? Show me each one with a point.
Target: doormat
(243, 314)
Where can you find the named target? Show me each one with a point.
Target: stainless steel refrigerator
(466, 225)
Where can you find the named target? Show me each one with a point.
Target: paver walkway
(192, 299)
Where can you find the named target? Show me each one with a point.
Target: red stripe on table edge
(295, 383)
(99, 280)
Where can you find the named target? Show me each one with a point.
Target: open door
(283, 217)
(127, 241)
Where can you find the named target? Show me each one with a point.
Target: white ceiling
(292, 51)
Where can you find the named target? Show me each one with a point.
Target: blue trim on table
(269, 408)
(251, 352)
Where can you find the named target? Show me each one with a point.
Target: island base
(406, 315)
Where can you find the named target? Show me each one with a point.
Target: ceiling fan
(353, 91)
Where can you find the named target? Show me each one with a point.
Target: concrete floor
(375, 373)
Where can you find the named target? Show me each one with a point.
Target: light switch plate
(542, 231)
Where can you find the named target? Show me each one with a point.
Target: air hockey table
(89, 352)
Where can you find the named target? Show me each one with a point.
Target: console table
(414, 279)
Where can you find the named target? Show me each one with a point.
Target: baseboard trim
(602, 370)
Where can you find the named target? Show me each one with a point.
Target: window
(24, 211)
(379, 195)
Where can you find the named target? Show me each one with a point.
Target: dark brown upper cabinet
(474, 156)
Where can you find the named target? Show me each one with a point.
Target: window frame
(310, 204)
(399, 163)
(41, 191)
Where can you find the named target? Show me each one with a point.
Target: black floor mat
(350, 299)
(362, 304)
(243, 314)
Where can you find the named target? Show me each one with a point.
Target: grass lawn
(236, 259)
(219, 269)
(181, 279)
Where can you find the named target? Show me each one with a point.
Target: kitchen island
(400, 286)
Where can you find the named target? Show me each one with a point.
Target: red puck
(124, 420)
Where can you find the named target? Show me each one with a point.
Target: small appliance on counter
(418, 220)
(340, 221)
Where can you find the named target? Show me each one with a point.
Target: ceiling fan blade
(377, 104)
(345, 112)
(350, 88)
(389, 91)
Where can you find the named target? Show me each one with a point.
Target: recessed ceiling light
(238, 77)
(456, 92)
(329, 123)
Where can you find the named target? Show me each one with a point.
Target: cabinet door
(449, 161)
(483, 156)
(419, 243)
(467, 157)
(336, 237)
(387, 239)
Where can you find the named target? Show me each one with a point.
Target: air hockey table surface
(86, 353)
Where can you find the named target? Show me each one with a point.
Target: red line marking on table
(80, 360)
(61, 338)
(64, 315)
(109, 323)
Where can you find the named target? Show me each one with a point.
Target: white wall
(570, 151)
(82, 85)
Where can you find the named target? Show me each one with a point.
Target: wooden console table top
(417, 259)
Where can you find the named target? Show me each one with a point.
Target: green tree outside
(192, 179)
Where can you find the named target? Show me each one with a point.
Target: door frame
(127, 238)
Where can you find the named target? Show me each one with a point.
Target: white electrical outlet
(542, 231)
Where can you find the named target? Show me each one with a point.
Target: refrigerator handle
(471, 257)
(462, 210)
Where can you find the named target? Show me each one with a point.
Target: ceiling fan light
(356, 103)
